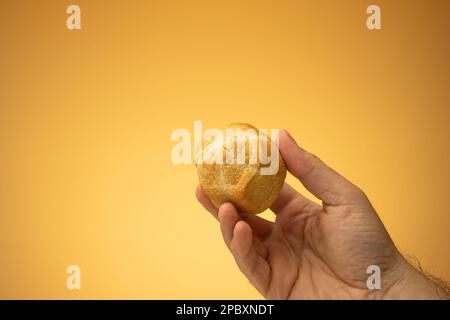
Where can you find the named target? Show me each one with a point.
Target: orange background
(86, 118)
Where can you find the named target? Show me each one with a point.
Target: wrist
(411, 284)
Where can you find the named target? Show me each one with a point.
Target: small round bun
(242, 184)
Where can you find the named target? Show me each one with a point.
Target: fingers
(238, 236)
(289, 199)
(228, 217)
(206, 203)
(322, 181)
(260, 226)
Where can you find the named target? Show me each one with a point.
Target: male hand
(316, 251)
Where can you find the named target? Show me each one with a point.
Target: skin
(315, 251)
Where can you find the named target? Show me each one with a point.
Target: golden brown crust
(241, 184)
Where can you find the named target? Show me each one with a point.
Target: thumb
(319, 179)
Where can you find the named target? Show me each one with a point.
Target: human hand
(315, 251)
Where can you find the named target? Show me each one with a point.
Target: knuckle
(358, 194)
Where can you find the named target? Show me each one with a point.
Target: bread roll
(241, 184)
